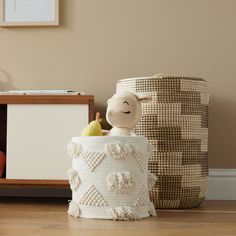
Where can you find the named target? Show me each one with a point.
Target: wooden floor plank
(35, 217)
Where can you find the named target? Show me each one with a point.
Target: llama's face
(123, 111)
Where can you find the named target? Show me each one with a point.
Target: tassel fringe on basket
(123, 213)
(73, 209)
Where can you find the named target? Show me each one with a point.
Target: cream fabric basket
(109, 178)
(176, 123)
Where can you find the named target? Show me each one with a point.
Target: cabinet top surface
(46, 99)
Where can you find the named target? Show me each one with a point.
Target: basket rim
(109, 138)
(196, 78)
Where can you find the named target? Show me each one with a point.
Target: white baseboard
(222, 184)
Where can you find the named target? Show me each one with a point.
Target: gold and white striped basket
(109, 178)
(176, 124)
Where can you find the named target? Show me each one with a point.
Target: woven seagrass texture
(176, 124)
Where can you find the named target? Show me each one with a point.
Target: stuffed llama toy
(124, 111)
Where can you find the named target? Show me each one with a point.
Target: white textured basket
(109, 178)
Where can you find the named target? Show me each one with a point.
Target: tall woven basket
(176, 123)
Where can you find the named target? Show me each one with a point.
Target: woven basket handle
(158, 76)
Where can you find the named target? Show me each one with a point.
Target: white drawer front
(37, 136)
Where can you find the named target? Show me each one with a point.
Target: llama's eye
(126, 112)
(125, 102)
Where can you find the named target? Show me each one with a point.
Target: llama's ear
(108, 101)
(143, 97)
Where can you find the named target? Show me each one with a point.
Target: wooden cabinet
(34, 133)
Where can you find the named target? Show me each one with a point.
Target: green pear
(94, 128)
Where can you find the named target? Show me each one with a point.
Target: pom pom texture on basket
(176, 123)
(109, 178)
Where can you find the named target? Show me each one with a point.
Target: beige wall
(101, 41)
